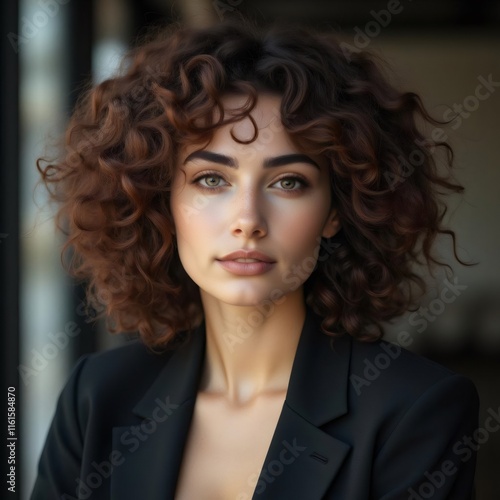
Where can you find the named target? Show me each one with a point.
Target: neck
(250, 350)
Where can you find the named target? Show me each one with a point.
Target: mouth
(247, 256)
(248, 260)
(246, 263)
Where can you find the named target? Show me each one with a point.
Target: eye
(210, 181)
(291, 183)
(288, 183)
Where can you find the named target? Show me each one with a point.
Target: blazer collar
(317, 394)
(302, 459)
(320, 368)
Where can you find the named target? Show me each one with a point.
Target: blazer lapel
(303, 460)
(150, 453)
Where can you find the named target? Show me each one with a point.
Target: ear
(332, 225)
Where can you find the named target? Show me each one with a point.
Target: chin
(247, 297)
(244, 301)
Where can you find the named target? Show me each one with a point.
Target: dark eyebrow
(213, 157)
(277, 161)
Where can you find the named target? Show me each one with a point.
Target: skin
(253, 323)
(219, 209)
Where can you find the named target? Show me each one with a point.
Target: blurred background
(448, 51)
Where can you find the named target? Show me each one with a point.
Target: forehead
(266, 112)
(264, 122)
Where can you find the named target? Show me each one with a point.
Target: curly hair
(112, 181)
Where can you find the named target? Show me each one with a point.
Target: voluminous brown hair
(113, 180)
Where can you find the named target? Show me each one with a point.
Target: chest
(226, 448)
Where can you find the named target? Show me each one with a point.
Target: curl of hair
(113, 181)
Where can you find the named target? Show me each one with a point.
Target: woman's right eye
(210, 181)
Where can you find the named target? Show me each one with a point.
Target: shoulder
(416, 416)
(386, 365)
(119, 364)
(390, 380)
(379, 379)
(384, 360)
(117, 377)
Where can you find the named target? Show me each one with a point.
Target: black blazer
(360, 421)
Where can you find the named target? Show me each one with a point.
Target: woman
(249, 202)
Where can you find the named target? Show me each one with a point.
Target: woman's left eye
(290, 183)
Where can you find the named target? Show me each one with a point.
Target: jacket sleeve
(59, 464)
(431, 452)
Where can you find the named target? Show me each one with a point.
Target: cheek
(301, 230)
(197, 222)
(187, 208)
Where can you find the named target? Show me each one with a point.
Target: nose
(249, 219)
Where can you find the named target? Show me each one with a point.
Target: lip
(258, 263)
(247, 254)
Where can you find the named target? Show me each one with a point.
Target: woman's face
(265, 200)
